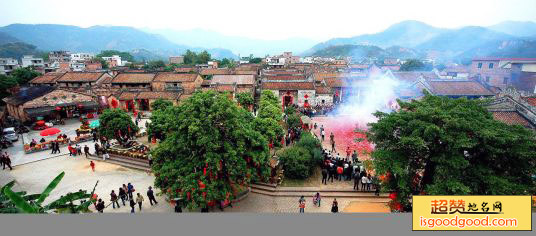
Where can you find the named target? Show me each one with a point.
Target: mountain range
(407, 39)
(49, 37)
(238, 45)
(506, 39)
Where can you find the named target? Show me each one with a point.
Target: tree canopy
(125, 56)
(161, 104)
(415, 65)
(24, 75)
(444, 146)
(245, 99)
(192, 58)
(117, 124)
(211, 147)
(154, 65)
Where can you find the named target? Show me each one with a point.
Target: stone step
(129, 160)
(124, 163)
(304, 189)
(360, 195)
(114, 156)
(129, 165)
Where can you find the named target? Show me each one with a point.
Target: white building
(30, 60)
(77, 66)
(7, 65)
(82, 56)
(114, 61)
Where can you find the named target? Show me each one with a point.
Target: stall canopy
(39, 111)
(89, 105)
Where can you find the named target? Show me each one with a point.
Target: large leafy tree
(117, 124)
(415, 65)
(445, 146)
(23, 75)
(211, 147)
(161, 104)
(245, 99)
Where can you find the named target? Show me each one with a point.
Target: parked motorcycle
(58, 122)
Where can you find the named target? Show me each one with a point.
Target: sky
(272, 19)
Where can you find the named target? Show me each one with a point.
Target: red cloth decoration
(205, 171)
(58, 108)
(392, 196)
(188, 195)
(204, 195)
(201, 185)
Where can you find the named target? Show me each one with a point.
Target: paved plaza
(33, 172)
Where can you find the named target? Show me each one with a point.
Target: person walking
(325, 176)
(86, 150)
(339, 173)
(122, 195)
(94, 136)
(322, 133)
(333, 146)
(100, 206)
(53, 147)
(332, 137)
(72, 152)
(7, 161)
(97, 149)
(132, 205)
(92, 164)
(2, 161)
(78, 150)
(125, 188)
(139, 200)
(114, 199)
(130, 190)
(150, 195)
(301, 203)
(334, 206)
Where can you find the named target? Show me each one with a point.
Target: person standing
(354, 156)
(105, 155)
(2, 162)
(132, 205)
(78, 149)
(53, 147)
(150, 195)
(369, 181)
(334, 206)
(333, 146)
(332, 137)
(92, 164)
(7, 161)
(301, 203)
(317, 197)
(86, 150)
(72, 152)
(95, 136)
(364, 181)
(139, 200)
(357, 179)
(322, 133)
(331, 172)
(325, 176)
(339, 173)
(122, 195)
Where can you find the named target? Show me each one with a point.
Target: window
(490, 66)
(479, 65)
(487, 79)
(505, 80)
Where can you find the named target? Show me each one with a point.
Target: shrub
(297, 162)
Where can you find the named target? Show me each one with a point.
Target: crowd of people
(126, 195)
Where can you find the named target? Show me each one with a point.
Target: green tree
(456, 145)
(154, 65)
(256, 60)
(190, 57)
(161, 104)
(116, 122)
(6, 83)
(245, 99)
(294, 120)
(104, 63)
(211, 148)
(125, 56)
(415, 65)
(161, 121)
(24, 75)
(203, 57)
(297, 162)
